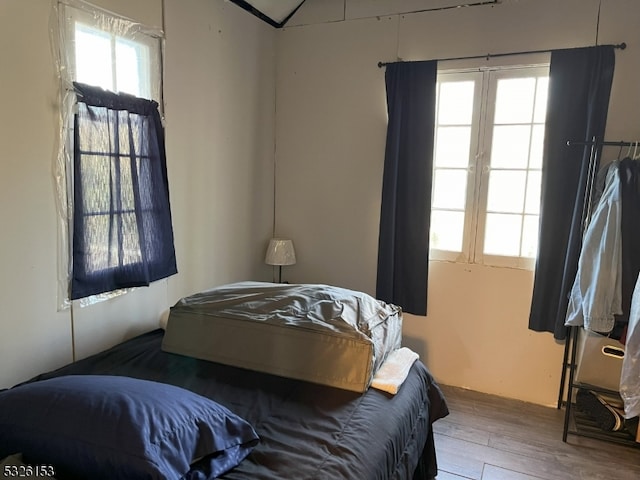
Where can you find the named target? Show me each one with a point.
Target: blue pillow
(92, 426)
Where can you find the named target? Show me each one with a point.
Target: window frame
(471, 191)
(121, 211)
(520, 262)
(136, 246)
(118, 28)
(93, 18)
(479, 168)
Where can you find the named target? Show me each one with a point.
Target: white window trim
(486, 259)
(479, 159)
(64, 13)
(472, 185)
(72, 11)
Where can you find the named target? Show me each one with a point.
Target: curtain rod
(606, 144)
(621, 46)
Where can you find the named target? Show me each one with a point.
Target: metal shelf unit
(575, 421)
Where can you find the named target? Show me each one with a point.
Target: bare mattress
(306, 430)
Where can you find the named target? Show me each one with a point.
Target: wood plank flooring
(486, 437)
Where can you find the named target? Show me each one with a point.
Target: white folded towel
(394, 370)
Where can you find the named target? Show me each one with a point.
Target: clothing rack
(594, 144)
(593, 163)
(605, 144)
(571, 342)
(593, 157)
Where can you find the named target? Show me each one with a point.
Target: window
(121, 222)
(122, 234)
(113, 53)
(487, 166)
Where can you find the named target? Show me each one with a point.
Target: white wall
(34, 336)
(219, 91)
(331, 126)
(220, 107)
(221, 118)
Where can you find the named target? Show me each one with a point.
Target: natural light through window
(451, 161)
(111, 62)
(93, 57)
(118, 64)
(487, 165)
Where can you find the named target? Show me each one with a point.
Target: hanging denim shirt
(596, 294)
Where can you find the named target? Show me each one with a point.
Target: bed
(306, 430)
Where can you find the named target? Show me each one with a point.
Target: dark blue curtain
(629, 172)
(403, 245)
(122, 232)
(579, 88)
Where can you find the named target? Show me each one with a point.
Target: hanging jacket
(596, 294)
(630, 374)
(629, 173)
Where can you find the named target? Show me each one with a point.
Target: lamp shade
(280, 252)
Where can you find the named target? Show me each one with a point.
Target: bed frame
(307, 431)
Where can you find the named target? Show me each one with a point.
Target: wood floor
(491, 438)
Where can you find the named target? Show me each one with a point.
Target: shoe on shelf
(607, 417)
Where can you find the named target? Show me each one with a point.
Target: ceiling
(277, 12)
(274, 12)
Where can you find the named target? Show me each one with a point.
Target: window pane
(537, 144)
(96, 240)
(446, 230)
(510, 146)
(127, 199)
(130, 239)
(541, 100)
(530, 236)
(450, 189)
(133, 67)
(506, 191)
(514, 100)
(532, 202)
(502, 234)
(140, 135)
(95, 174)
(455, 103)
(93, 57)
(452, 146)
(128, 68)
(502, 188)
(121, 132)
